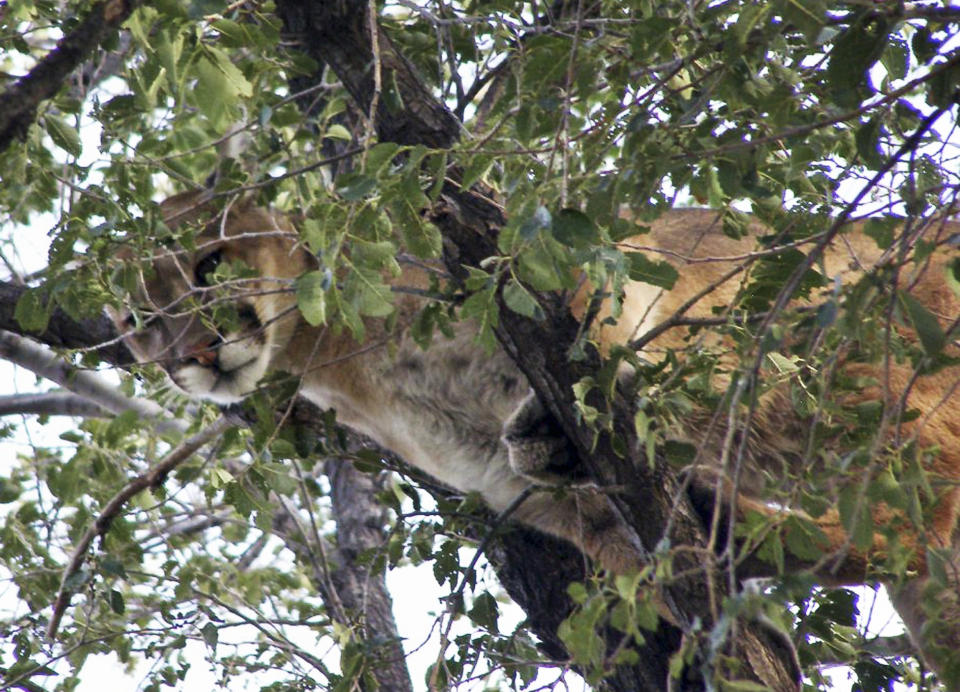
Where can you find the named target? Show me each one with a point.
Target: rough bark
(360, 536)
(336, 33)
(63, 331)
(344, 573)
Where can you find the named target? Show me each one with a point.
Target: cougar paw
(537, 447)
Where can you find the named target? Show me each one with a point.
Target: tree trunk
(360, 534)
(336, 33)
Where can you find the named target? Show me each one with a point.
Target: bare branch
(85, 383)
(50, 404)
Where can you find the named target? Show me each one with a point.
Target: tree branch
(97, 335)
(85, 383)
(346, 574)
(19, 103)
(149, 479)
(50, 404)
(360, 520)
(333, 32)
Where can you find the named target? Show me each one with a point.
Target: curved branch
(149, 479)
(19, 103)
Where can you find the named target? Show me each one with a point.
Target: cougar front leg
(537, 447)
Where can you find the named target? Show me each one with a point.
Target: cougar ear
(197, 205)
(187, 207)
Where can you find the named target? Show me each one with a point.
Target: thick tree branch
(97, 335)
(334, 33)
(360, 537)
(19, 103)
(407, 113)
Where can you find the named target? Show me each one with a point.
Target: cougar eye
(206, 267)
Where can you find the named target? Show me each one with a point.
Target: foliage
(798, 112)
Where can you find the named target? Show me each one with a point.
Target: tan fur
(443, 410)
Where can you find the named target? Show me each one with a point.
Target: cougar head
(215, 316)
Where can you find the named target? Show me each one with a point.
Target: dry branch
(50, 404)
(85, 383)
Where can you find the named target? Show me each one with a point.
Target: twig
(377, 75)
(458, 592)
(834, 120)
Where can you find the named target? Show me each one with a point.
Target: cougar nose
(205, 354)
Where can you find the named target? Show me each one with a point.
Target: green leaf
(420, 236)
(338, 131)
(482, 308)
(233, 77)
(856, 517)
(213, 94)
(211, 634)
(475, 170)
(355, 186)
(232, 34)
(367, 292)
(896, 58)
(854, 52)
(538, 269)
(485, 612)
(868, 143)
(927, 326)
(783, 364)
(579, 634)
(116, 602)
(881, 229)
(803, 538)
(63, 135)
(311, 297)
(659, 273)
(521, 301)
(76, 580)
(380, 156)
(538, 221)
(953, 275)
(575, 229)
(32, 312)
